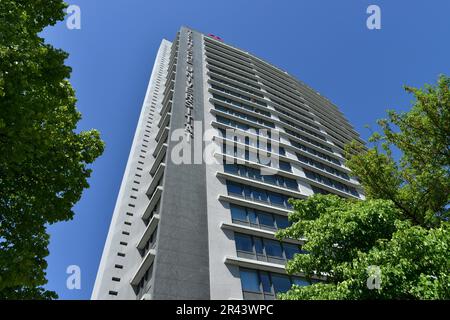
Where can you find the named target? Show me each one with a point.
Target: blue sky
(324, 43)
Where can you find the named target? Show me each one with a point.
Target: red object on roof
(215, 37)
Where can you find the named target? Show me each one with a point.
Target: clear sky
(324, 43)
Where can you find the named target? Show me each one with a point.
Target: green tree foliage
(43, 161)
(403, 225)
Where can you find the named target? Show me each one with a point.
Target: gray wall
(181, 267)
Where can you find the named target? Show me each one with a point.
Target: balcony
(158, 147)
(255, 264)
(257, 232)
(259, 184)
(156, 177)
(167, 97)
(162, 134)
(166, 108)
(159, 157)
(231, 69)
(164, 121)
(263, 206)
(151, 227)
(143, 267)
(153, 202)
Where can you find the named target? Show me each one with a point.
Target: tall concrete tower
(224, 139)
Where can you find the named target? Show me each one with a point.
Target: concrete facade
(200, 230)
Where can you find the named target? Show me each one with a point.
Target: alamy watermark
(373, 22)
(73, 281)
(374, 278)
(226, 146)
(73, 17)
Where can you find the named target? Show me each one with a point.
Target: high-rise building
(189, 225)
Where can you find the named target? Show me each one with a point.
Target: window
(255, 174)
(259, 248)
(238, 213)
(257, 194)
(249, 280)
(270, 179)
(266, 220)
(330, 182)
(300, 282)
(322, 166)
(243, 242)
(313, 142)
(262, 249)
(282, 222)
(291, 183)
(244, 116)
(231, 168)
(234, 188)
(252, 216)
(273, 248)
(290, 250)
(259, 219)
(314, 152)
(285, 166)
(318, 190)
(265, 281)
(276, 199)
(262, 284)
(281, 283)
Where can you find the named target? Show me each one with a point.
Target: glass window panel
(288, 205)
(266, 220)
(242, 126)
(269, 179)
(238, 213)
(281, 283)
(248, 192)
(276, 199)
(242, 171)
(249, 280)
(243, 242)
(286, 166)
(248, 172)
(300, 281)
(231, 168)
(282, 222)
(290, 250)
(259, 195)
(252, 216)
(256, 174)
(291, 184)
(265, 281)
(280, 180)
(234, 188)
(273, 248)
(258, 245)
